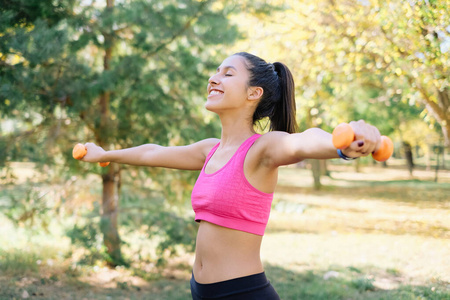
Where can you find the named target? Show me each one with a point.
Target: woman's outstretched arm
(190, 157)
(280, 148)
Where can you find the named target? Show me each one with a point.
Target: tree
(383, 61)
(405, 43)
(119, 74)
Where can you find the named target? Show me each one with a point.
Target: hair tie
(272, 66)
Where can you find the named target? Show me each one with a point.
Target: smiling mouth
(215, 92)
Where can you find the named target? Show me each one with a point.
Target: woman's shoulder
(207, 144)
(209, 141)
(268, 141)
(272, 137)
(274, 147)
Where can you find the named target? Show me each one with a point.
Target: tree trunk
(409, 157)
(357, 165)
(324, 167)
(111, 180)
(109, 216)
(440, 110)
(315, 167)
(444, 151)
(315, 163)
(428, 157)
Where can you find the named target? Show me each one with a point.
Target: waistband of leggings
(229, 287)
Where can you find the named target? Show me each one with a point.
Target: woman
(233, 194)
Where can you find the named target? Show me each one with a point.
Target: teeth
(215, 93)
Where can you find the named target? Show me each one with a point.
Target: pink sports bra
(227, 199)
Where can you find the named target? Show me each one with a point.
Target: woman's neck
(235, 131)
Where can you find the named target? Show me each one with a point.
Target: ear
(255, 93)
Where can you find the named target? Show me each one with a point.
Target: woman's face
(228, 88)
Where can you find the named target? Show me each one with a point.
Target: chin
(213, 107)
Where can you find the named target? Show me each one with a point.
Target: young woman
(233, 194)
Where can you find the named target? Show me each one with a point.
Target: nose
(214, 79)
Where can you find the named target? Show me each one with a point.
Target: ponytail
(278, 99)
(283, 118)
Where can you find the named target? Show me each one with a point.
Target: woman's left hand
(367, 140)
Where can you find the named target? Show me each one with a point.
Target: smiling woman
(233, 193)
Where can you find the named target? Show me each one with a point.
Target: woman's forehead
(235, 62)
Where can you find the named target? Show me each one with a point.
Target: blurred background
(121, 73)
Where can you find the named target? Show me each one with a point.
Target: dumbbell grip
(343, 136)
(79, 151)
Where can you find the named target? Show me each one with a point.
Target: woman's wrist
(107, 156)
(343, 156)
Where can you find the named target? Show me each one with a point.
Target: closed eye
(226, 69)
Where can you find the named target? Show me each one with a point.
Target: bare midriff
(222, 254)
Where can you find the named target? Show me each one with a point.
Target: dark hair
(278, 99)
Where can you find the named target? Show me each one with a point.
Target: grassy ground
(377, 234)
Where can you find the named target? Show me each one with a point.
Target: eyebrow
(226, 67)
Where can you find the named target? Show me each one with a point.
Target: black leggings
(253, 287)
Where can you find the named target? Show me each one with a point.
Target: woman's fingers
(367, 139)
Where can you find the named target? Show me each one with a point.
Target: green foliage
(28, 208)
(24, 12)
(118, 76)
(171, 231)
(52, 66)
(159, 221)
(384, 61)
(175, 231)
(89, 237)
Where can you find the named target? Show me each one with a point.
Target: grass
(377, 234)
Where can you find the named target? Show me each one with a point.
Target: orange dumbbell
(79, 151)
(343, 136)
